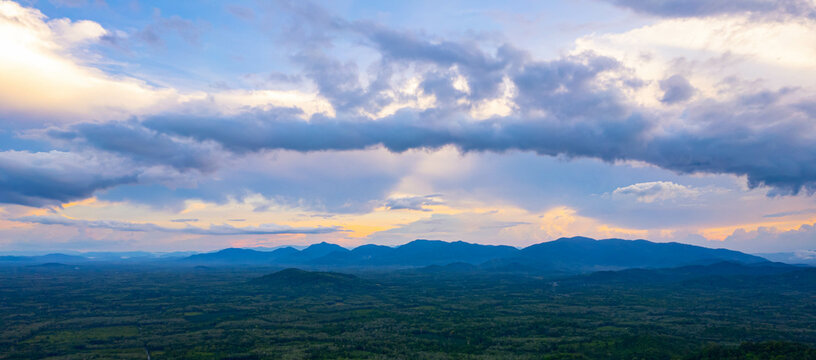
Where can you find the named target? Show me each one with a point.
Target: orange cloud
(721, 233)
(85, 202)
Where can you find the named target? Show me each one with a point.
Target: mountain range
(566, 254)
(576, 254)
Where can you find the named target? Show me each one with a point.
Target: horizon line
(302, 247)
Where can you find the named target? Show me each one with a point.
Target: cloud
(154, 33)
(692, 8)
(408, 130)
(52, 76)
(676, 89)
(770, 239)
(581, 119)
(569, 88)
(805, 254)
(743, 137)
(313, 29)
(266, 229)
(73, 33)
(656, 191)
(241, 12)
(484, 72)
(731, 137)
(336, 182)
(790, 213)
(711, 53)
(55, 177)
(574, 106)
(735, 121)
(41, 76)
(142, 145)
(412, 202)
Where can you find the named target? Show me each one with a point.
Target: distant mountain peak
(324, 244)
(582, 253)
(578, 239)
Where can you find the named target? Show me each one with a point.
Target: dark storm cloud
(269, 229)
(695, 8)
(410, 130)
(769, 143)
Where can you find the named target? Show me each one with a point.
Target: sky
(167, 126)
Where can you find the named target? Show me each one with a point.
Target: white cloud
(655, 191)
(709, 50)
(69, 32)
(39, 74)
(417, 203)
(44, 74)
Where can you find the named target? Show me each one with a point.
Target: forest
(120, 311)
